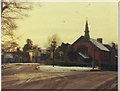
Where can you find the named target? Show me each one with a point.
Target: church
(88, 47)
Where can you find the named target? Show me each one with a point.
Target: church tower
(87, 30)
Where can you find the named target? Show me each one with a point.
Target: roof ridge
(99, 45)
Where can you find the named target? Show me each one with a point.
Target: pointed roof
(87, 30)
(93, 42)
(86, 38)
(86, 26)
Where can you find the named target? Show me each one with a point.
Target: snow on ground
(63, 68)
(50, 67)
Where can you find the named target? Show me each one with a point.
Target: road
(27, 76)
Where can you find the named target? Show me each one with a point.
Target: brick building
(95, 49)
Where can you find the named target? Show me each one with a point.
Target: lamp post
(53, 47)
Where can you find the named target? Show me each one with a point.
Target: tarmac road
(26, 76)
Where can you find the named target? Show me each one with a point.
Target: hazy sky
(67, 20)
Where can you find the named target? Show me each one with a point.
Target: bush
(65, 63)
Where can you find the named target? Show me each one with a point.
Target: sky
(67, 20)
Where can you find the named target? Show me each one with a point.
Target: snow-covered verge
(64, 69)
(50, 67)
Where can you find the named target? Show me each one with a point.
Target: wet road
(26, 76)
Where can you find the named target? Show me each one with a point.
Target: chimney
(99, 40)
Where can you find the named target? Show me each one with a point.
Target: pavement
(28, 76)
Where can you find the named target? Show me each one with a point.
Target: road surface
(27, 76)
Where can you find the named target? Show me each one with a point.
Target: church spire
(87, 30)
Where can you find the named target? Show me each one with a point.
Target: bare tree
(9, 46)
(10, 12)
(52, 38)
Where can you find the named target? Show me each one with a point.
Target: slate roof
(77, 40)
(95, 42)
(84, 56)
(99, 45)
